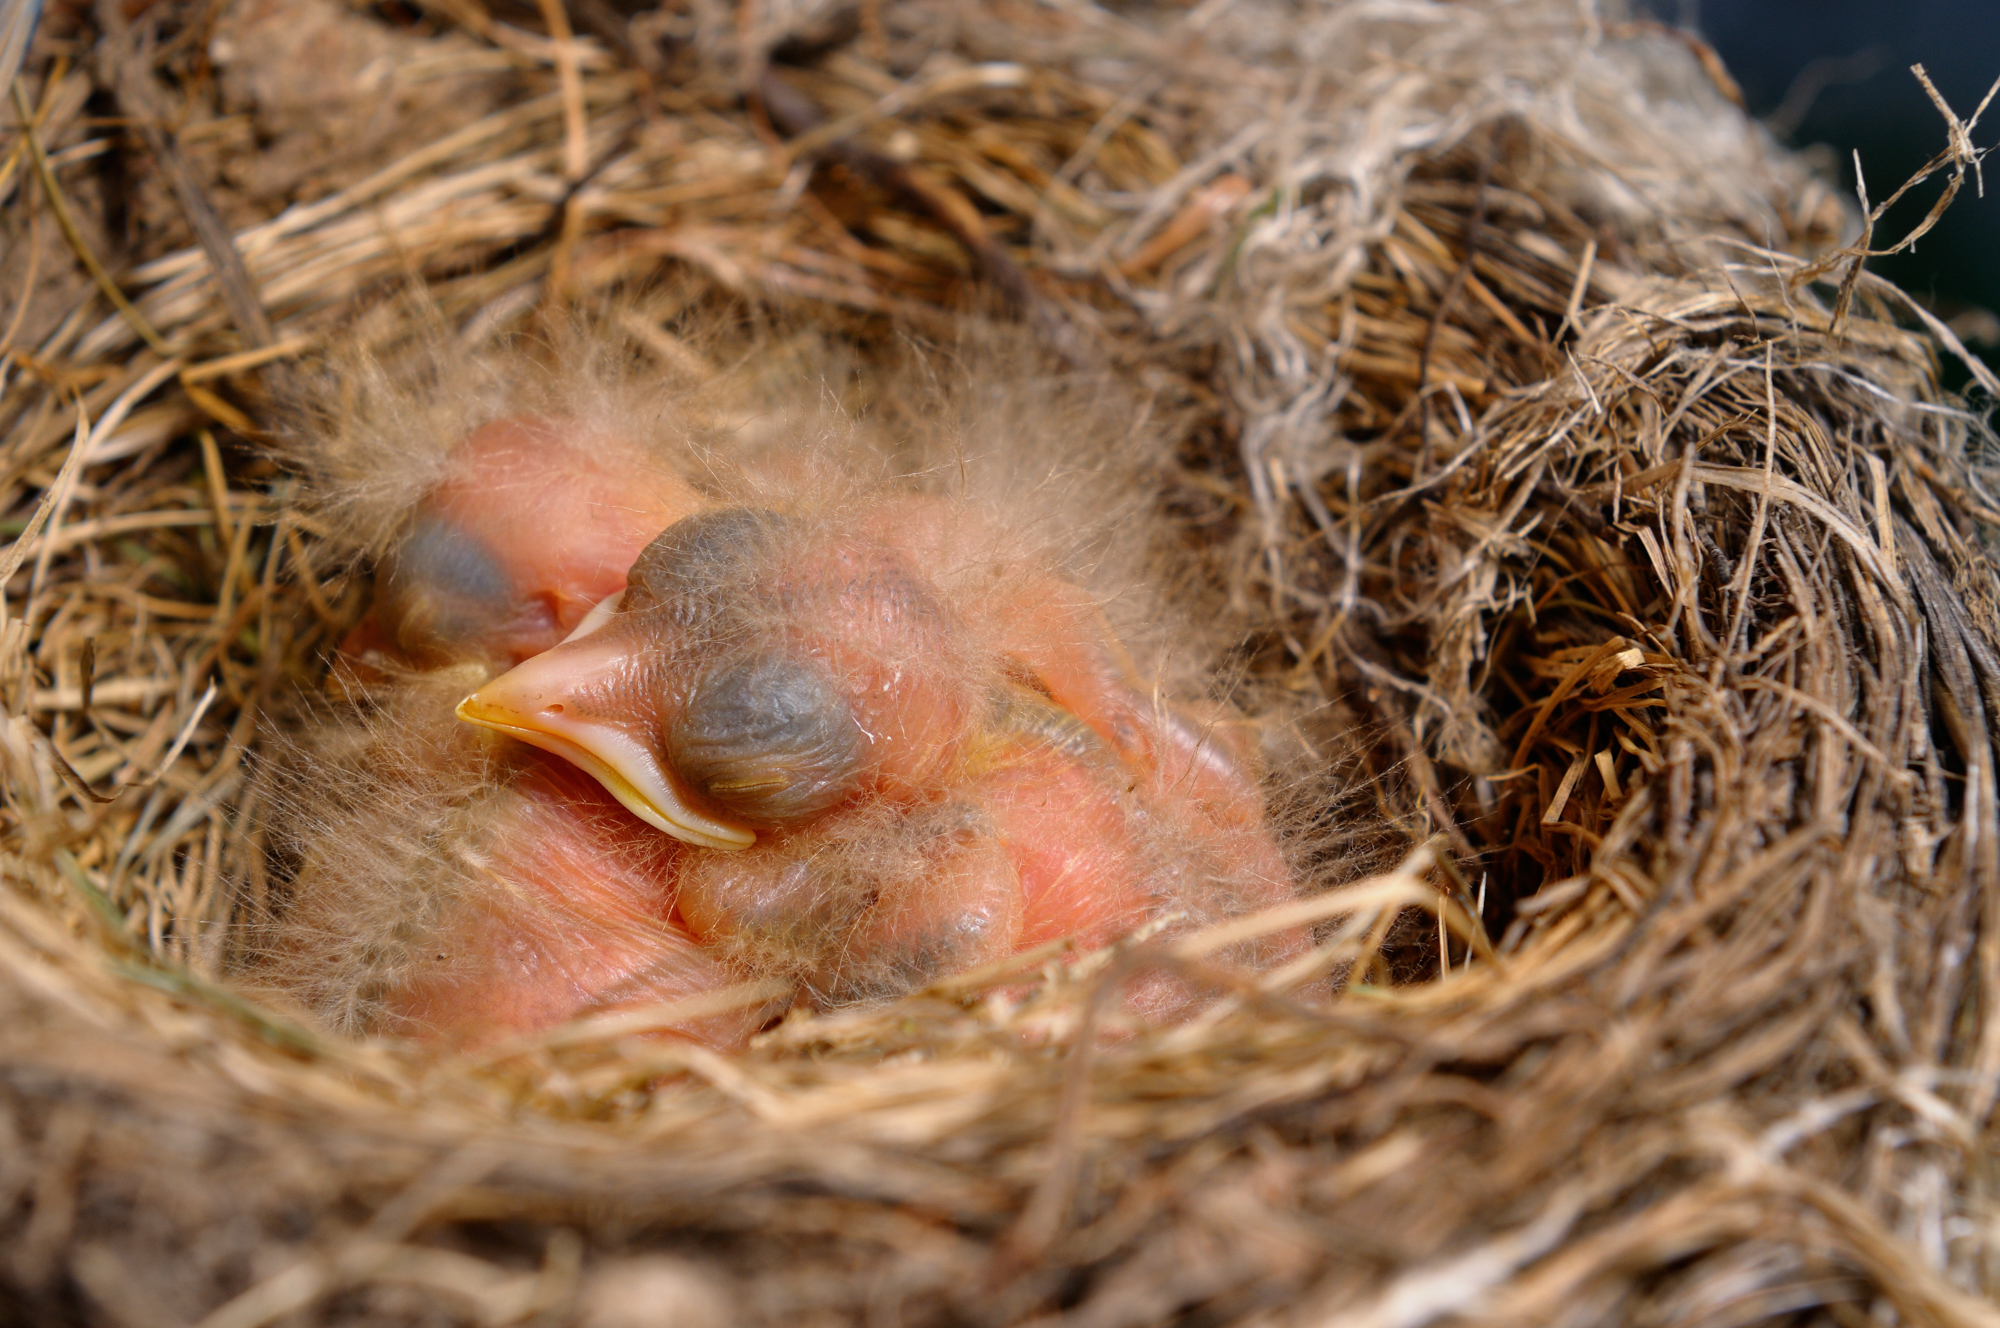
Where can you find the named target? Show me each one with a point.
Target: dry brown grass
(1618, 547)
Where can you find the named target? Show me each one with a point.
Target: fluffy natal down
(709, 695)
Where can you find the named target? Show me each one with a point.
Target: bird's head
(757, 671)
(532, 521)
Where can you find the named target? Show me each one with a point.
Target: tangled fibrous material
(1595, 533)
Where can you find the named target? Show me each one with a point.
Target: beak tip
(474, 711)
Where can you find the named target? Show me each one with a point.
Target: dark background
(1860, 53)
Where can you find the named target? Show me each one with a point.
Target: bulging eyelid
(437, 553)
(771, 738)
(442, 591)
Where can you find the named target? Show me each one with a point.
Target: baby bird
(728, 707)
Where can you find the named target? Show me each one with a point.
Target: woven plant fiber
(1591, 540)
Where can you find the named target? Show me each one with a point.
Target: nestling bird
(736, 697)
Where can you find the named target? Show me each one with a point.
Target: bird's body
(733, 719)
(578, 917)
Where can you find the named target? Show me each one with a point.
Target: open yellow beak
(539, 703)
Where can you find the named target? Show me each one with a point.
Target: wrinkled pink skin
(587, 927)
(603, 912)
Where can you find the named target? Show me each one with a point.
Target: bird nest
(1595, 531)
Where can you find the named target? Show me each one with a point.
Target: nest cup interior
(1588, 534)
